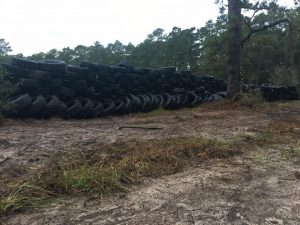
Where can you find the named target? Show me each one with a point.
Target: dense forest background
(272, 55)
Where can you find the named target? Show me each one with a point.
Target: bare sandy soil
(259, 186)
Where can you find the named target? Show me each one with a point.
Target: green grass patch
(263, 138)
(25, 195)
(292, 151)
(96, 178)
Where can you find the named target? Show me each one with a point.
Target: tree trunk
(234, 48)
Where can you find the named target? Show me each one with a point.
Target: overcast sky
(32, 26)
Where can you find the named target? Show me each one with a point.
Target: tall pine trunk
(234, 48)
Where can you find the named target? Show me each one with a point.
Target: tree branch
(264, 27)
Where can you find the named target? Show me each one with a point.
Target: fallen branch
(138, 127)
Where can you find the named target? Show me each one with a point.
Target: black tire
(135, 103)
(63, 109)
(29, 84)
(17, 71)
(78, 69)
(90, 92)
(52, 65)
(120, 107)
(200, 90)
(14, 107)
(222, 94)
(71, 76)
(109, 108)
(25, 63)
(52, 108)
(79, 86)
(127, 65)
(128, 104)
(118, 69)
(103, 67)
(39, 75)
(57, 74)
(38, 105)
(98, 109)
(178, 91)
(214, 98)
(149, 102)
(115, 87)
(178, 102)
(186, 72)
(91, 77)
(173, 102)
(185, 101)
(91, 66)
(87, 108)
(169, 68)
(66, 93)
(98, 96)
(99, 84)
(156, 101)
(74, 109)
(192, 98)
(143, 103)
(38, 91)
(141, 71)
(55, 83)
(167, 100)
(105, 91)
(161, 100)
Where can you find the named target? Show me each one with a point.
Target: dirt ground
(259, 186)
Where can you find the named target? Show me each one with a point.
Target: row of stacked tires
(41, 107)
(276, 93)
(50, 88)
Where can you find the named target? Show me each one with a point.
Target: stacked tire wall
(50, 88)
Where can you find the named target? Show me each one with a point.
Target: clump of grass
(287, 126)
(38, 191)
(276, 132)
(263, 160)
(160, 157)
(24, 195)
(263, 138)
(260, 158)
(96, 178)
(204, 147)
(292, 151)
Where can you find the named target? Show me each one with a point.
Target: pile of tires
(276, 93)
(50, 88)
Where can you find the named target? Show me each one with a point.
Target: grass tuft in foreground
(25, 195)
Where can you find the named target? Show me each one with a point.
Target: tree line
(272, 54)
